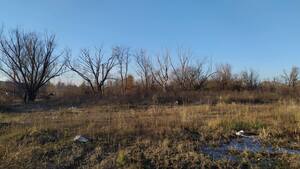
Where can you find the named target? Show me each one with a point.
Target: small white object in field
(72, 108)
(81, 139)
(240, 133)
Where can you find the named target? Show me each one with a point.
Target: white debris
(80, 138)
(240, 133)
(72, 108)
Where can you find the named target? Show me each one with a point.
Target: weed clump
(42, 136)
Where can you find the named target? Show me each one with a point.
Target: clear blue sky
(259, 34)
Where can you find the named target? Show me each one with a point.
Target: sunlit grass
(144, 136)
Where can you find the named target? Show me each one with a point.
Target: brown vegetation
(148, 137)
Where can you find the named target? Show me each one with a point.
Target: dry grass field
(149, 84)
(187, 136)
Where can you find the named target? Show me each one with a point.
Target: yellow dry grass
(120, 135)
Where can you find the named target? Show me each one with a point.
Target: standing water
(241, 144)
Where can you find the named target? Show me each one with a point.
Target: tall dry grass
(144, 136)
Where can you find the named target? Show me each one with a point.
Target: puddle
(241, 144)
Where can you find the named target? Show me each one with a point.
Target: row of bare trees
(30, 60)
(292, 77)
(162, 72)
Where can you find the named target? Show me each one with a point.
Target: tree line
(30, 60)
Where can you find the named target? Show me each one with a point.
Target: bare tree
(250, 79)
(223, 75)
(28, 60)
(188, 75)
(143, 68)
(161, 74)
(93, 68)
(122, 56)
(291, 78)
(181, 71)
(201, 73)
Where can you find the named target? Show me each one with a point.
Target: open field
(154, 136)
(149, 84)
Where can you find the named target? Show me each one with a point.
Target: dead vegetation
(163, 117)
(147, 137)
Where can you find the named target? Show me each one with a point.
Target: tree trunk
(25, 98)
(100, 90)
(32, 97)
(29, 97)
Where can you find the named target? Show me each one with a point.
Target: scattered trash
(240, 133)
(81, 139)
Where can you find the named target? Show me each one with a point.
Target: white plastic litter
(240, 133)
(80, 138)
